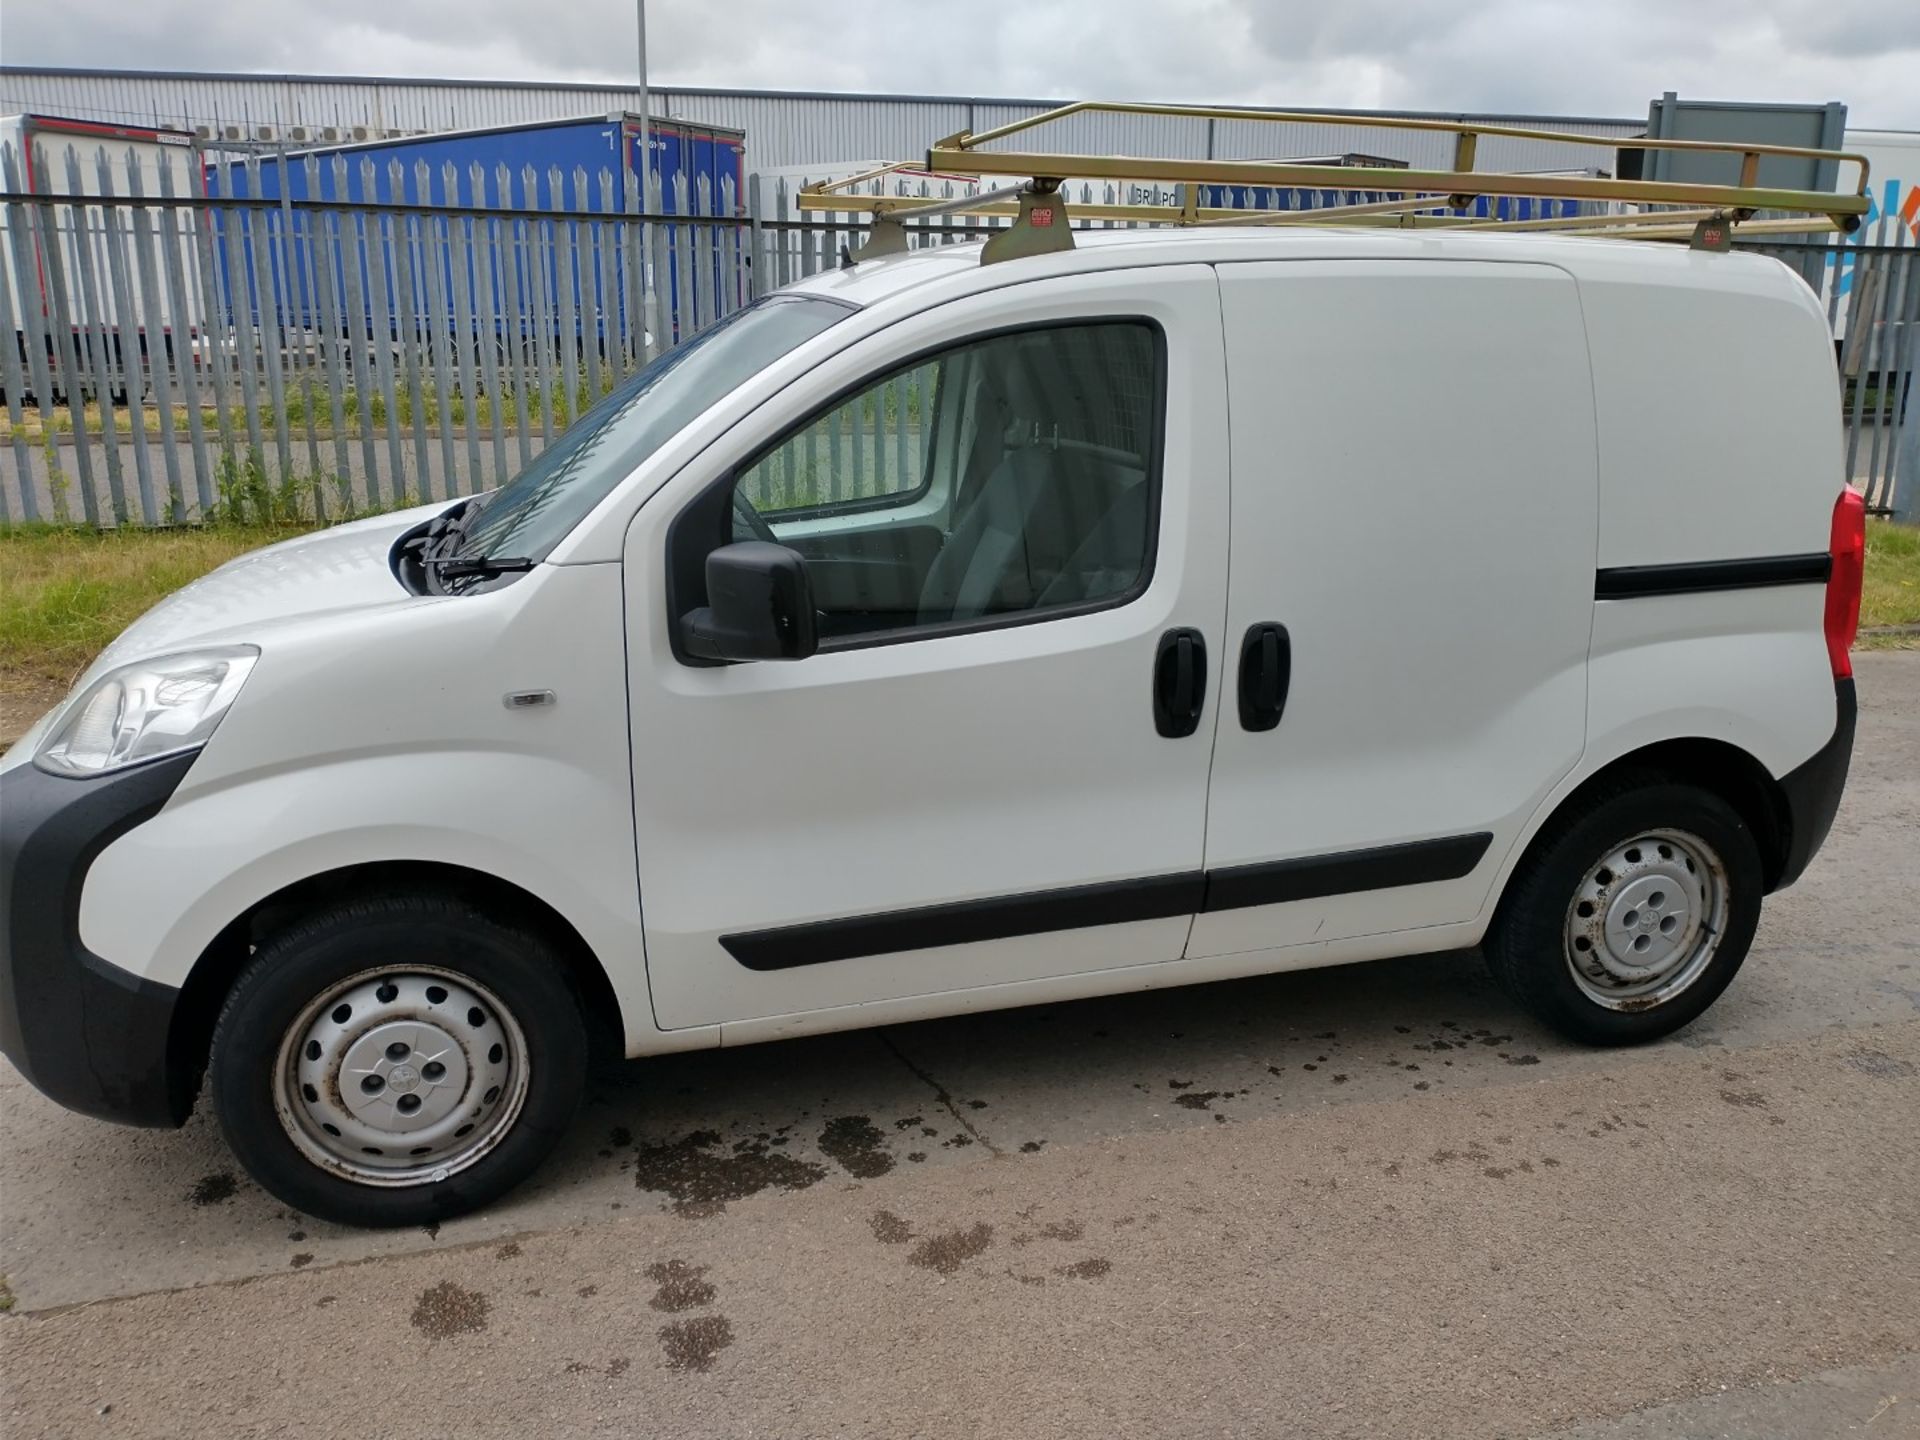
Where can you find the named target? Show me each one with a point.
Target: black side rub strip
(1630, 582)
(1383, 868)
(1073, 907)
(1078, 907)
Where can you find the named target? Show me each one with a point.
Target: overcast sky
(1595, 57)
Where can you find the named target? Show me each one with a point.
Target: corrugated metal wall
(783, 129)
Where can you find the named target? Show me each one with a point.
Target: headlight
(146, 710)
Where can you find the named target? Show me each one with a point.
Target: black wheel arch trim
(1813, 788)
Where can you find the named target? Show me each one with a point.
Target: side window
(871, 451)
(1012, 475)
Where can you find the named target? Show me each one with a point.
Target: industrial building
(784, 129)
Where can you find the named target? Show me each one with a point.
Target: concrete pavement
(1350, 1202)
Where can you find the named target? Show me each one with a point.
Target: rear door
(1007, 504)
(1414, 499)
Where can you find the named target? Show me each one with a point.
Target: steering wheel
(747, 518)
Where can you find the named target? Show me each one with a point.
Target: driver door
(1004, 505)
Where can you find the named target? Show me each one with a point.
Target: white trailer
(89, 273)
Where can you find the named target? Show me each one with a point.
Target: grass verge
(65, 593)
(1891, 595)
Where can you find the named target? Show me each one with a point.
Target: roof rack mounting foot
(1040, 229)
(886, 236)
(1714, 233)
(1717, 231)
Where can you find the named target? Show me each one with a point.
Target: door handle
(1266, 670)
(1179, 682)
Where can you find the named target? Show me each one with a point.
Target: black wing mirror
(759, 606)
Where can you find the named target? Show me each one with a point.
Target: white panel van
(933, 636)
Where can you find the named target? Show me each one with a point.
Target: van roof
(956, 268)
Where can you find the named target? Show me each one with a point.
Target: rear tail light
(1849, 551)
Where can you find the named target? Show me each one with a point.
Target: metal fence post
(135, 327)
(466, 339)
(163, 370)
(93, 303)
(65, 336)
(272, 339)
(586, 263)
(409, 329)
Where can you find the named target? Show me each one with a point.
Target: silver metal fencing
(1871, 289)
(177, 357)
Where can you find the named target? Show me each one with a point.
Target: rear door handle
(1266, 671)
(1179, 682)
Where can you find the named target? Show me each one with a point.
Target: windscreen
(532, 512)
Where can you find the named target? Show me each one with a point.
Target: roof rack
(1707, 215)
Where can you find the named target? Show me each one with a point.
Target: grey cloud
(1593, 57)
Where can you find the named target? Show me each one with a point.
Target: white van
(1227, 602)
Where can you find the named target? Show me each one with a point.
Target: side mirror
(759, 606)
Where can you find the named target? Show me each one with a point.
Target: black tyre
(1630, 913)
(398, 1061)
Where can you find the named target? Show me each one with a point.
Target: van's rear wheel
(1629, 915)
(398, 1061)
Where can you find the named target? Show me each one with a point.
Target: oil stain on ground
(694, 1344)
(700, 1179)
(681, 1286)
(1092, 1269)
(944, 1254)
(215, 1189)
(448, 1309)
(856, 1144)
(888, 1228)
(1880, 1065)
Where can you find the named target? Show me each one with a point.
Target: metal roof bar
(915, 207)
(1325, 215)
(964, 153)
(1708, 214)
(1845, 209)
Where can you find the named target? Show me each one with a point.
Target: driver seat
(1022, 531)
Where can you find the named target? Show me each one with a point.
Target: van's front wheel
(398, 1061)
(1631, 914)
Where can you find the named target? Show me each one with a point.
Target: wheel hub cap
(1646, 920)
(383, 1080)
(399, 1077)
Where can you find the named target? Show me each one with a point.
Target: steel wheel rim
(1646, 920)
(401, 1076)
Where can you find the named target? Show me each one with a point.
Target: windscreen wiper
(477, 567)
(446, 532)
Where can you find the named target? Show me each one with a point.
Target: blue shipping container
(610, 144)
(592, 144)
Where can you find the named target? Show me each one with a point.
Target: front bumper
(85, 1033)
(1813, 790)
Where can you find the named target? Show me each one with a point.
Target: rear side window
(1006, 479)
